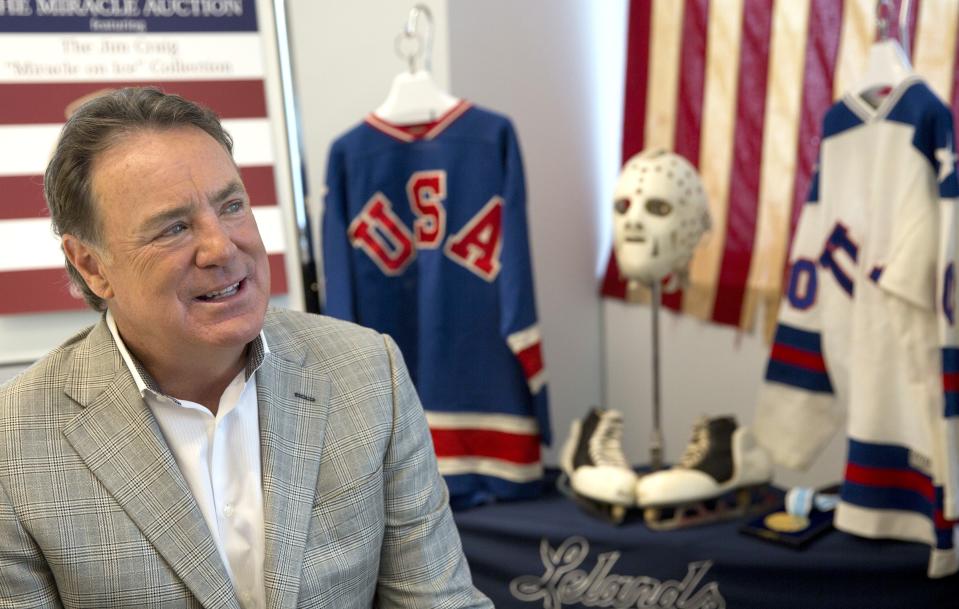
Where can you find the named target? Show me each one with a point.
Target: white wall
(536, 62)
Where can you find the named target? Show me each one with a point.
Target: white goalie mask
(659, 214)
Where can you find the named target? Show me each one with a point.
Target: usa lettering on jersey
(425, 239)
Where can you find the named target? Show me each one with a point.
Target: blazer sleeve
(25, 578)
(422, 562)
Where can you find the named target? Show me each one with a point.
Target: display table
(549, 553)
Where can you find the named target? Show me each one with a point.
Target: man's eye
(233, 207)
(176, 229)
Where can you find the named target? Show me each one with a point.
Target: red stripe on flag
(747, 162)
(531, 359)
(37, 291)
(45, 290)
(23, 195)
(689, 111)
(634, 112)
(637, 77)
(37, 103)
(950, 381)
(277, 274)
(798, 358)
(260, 183)
(515, 448)
(822, 48)
(891, 478)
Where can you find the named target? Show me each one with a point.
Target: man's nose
(215, 247)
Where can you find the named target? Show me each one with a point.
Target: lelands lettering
(563, 583)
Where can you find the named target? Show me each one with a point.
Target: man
(193, 448)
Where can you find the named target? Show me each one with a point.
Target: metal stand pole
(656, 438)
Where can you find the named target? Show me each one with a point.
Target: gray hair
(92, 129)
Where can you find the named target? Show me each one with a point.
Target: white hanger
(414, 97)
(887, 63)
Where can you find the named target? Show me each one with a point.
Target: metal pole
(656, 439)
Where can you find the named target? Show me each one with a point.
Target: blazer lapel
(293, 407)
(120, 441)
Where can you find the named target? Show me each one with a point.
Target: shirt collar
(144, 381)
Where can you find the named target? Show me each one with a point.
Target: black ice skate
(596, 468)
(722, 474)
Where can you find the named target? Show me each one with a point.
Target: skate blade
(742, 502)
(608, 512)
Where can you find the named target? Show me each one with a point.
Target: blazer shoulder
(44, 381)
(295, 336)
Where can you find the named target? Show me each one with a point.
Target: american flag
(739, 88)
(44, 74)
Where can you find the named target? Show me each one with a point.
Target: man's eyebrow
(233, 188)
(167, 215)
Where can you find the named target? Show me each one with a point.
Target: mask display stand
(656, 436)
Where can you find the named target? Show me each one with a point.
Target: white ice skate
(596, 468)
(722, 474)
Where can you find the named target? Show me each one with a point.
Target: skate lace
(606, 447)
(698, 445)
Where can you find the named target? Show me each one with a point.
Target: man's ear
(88, 261)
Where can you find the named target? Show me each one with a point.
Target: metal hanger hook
(424, 46)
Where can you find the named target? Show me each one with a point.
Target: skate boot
(597, 472)
(722, 474)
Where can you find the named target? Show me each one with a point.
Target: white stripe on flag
(787, 54)
(129, 57)
(26, 149)
(664, 58)
(29, 243)
(715, 155)
(935, 48)
(857, 35)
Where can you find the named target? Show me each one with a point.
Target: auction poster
(56, 54)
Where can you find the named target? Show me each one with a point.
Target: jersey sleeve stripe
(508, 447)
(512, 472)
(797, 360)
(950, 381)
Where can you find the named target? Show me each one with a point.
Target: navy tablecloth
(549, 553)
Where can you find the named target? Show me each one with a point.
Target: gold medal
(786, 523)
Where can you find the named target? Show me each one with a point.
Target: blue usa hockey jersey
(425, 239)
(868, 322)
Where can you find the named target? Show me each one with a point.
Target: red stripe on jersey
(747, 163)
(45, 290)
(797, 357)
(515, 448)
(531, 359)
(950, 381)
(891, 478)
(23, 195)
(38, 103)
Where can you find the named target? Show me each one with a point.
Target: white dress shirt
(219, 456)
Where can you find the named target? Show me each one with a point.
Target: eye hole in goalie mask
(661, 213)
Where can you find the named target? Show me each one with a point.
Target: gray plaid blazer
(95, 513)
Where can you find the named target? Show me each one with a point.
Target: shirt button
(228, 510)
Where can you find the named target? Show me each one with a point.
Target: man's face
(182, 263)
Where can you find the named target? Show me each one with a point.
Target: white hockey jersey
(868, 322)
